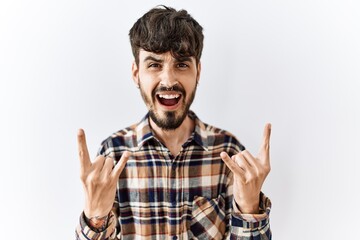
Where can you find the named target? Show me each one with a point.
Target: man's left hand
(249, 174)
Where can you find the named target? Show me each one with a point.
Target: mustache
(175, 88)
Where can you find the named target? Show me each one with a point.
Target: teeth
(171, 96)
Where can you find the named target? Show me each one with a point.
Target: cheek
(189, 88)
(147, 86)
(148, 80)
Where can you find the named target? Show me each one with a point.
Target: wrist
(248, 207)
(97, 223)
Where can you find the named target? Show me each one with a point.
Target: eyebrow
(184, 59)
(178, 59)
(152, 58)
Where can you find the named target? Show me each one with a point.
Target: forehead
(167, 56)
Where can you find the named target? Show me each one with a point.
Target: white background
(66, 64)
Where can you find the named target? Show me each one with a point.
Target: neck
(173, 139)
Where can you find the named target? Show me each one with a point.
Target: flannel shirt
(188, 196)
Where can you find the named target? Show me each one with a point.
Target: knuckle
(267, 168)
(262, 175)
(252, 177)
(103, 181)
(248, 180)
(94, 182)
(93, 178)
(83, 177)
(110, 161)
(81, 153)
(112, 181)
(264, 172)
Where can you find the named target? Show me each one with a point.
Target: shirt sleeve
(252, 226)
(84, 232)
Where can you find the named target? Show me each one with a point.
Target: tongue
(168, 102)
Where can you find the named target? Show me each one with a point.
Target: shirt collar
(200, 135)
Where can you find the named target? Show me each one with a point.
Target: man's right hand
(99, 179)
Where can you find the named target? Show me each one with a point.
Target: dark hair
(164, 29)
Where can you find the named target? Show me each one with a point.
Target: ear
(135, 73)
(198, 72)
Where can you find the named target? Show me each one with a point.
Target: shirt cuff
(252, 220)
(83, 231)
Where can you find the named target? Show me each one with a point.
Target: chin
(168, 120)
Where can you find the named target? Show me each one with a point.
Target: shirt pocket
(208, 218)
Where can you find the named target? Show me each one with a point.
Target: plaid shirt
(188, 196)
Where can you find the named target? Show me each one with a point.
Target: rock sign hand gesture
(99, 179)
(249, 174)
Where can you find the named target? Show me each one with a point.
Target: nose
(168, 78)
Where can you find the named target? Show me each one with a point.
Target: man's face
(167, 85)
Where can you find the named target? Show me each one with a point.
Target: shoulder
(215, 137)
(121, 140)
(218, 136)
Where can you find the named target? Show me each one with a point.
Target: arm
(250, 215)
(99, 181)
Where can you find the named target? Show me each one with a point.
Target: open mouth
(168, 100)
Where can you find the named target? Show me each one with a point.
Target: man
(171, 175)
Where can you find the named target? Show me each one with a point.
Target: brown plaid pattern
(188, 196)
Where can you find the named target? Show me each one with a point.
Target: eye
(182, 65)
(154, 65)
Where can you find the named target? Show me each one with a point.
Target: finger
(250, 159)
(241, 162)
(98, 163)
(108, 166)
(256, 166)
(120, 165)
(266, 135)
(84, 157)
(264, 153)
(233, 166)
(265, 147)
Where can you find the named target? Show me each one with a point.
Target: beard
(171, 119)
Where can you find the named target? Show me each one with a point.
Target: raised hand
(249, 174)
(99, 179)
